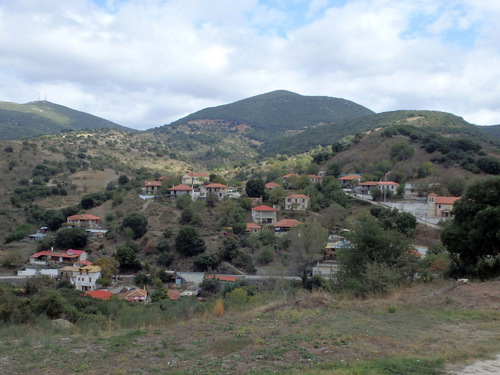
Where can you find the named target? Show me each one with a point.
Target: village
(73, 265)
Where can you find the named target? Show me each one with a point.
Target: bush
(265, 255)
(189, 242)
(137, 223)
(205, 262)
(71, 238)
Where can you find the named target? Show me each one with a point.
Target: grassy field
(422, 330)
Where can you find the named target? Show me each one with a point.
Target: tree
(401, 151)
(277, 196)
(137, 223)
(126, 256)
(160, 294)
(376, 259)
(71, 238)
(205, 262)
(473, 236)
(189, 242)
(122, 179)
(456, 186)
(307, 244)
(425, 169)
(54, 219)
(255, 188)
(109, 267)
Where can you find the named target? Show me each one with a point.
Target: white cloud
(146, 63)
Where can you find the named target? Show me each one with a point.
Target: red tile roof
(135, 295)
(152, 183)
(446, 200)
(174, 295)
(376, 183)
(181, 187)
(252, 226)
(290, 175)
(101, 294)
(350, 177)
(264, 208)
(70, 253)
(271, 185)
(287, 223)
(216, 185)
(298, 196)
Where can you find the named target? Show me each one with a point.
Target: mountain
(43, 117)
(268, 116)
(326, 134)
(493, 130)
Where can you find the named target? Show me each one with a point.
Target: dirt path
(488, 367)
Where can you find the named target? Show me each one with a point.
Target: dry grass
(314, 333)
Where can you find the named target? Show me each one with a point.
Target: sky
(146, 63)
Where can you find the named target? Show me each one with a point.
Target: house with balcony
(179, 190)
(151, 187)
(83, 278)
(264, 215)
(219, 190)
(84, 220)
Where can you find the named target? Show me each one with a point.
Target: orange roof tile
(181, 187)
(101, 294)
(216, 185)
(287, 223)
(271, 185)
(446, 200)
(298, 196)
(252, 226)
(174, 295)
(350, 177)
(152, 183)
(264, 208)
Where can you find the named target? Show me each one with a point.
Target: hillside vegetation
(268, 116)
(43, 117)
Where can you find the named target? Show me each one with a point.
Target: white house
(83, 278)
(264, 215)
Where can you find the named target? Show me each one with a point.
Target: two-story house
(179, 190)
(297, 202)
(194, 178)
(151, 187)
(264, 215)
(84, 220)
(219, 190)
